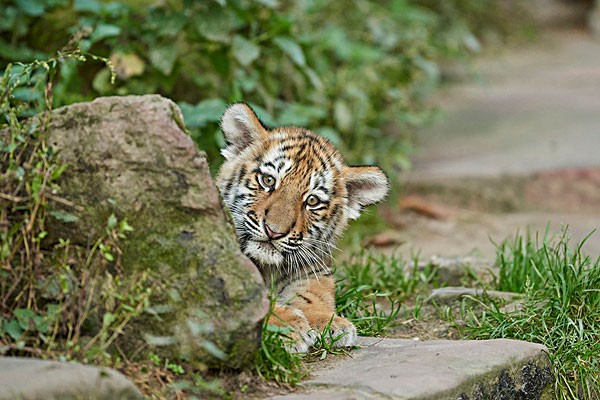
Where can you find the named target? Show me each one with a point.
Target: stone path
(532, 109)
(522, 146)
(407, 369)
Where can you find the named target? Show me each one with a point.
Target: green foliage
(53, 293)
(274, 362)
(470, 23)
(561, 309)
(520, 261)
(326, 342)
(370, 289)
(355, 72)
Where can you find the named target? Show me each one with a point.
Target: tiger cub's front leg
(308, 307)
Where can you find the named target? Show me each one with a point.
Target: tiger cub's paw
(302, 336)
(302, 340)
(339, 332)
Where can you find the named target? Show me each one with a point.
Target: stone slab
(33, 379)
(406, 369)
(451, 294)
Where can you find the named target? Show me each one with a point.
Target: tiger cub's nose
(272, 234)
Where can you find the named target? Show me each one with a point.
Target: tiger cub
(291, 195)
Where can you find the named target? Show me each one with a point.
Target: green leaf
(314, 78)
(300, 114)
(167, 25)
(202, 113)
(30, 321)
(108, 319)
(101, 82)
(13, 329)
(159, 340)
(92, 6)
(53, 312)
(268, 3)
(112, 222)
(36, 186)
(217, 23)
(292, 49)
(57, 172)
(163, 58)
(64, 216)
(244, 50)
(103, 31)
(33, 8)
(125, 227)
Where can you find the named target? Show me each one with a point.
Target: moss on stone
(129, 157)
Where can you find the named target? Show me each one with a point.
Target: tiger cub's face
(289, 192)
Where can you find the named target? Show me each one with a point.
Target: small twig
(33, 350)
(14, 199)
(63, 201)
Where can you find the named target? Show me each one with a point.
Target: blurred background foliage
(356, 71)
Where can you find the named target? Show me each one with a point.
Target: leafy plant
(356, 73)
(561, 309)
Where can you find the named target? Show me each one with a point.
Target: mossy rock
(129, 156)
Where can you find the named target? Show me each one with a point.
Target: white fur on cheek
(253, 249)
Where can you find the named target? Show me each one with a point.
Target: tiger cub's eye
(267, 181)
(312, 200)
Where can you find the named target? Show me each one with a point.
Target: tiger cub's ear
(241, 127)
(366, 186)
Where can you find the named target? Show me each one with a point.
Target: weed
(561, 308)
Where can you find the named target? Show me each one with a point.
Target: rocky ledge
(434, 370)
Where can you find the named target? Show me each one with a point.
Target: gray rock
(130, 156)
(406, 369)
(455, 271)
(451, 294)
(32, 379)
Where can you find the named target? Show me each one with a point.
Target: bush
(355, 72)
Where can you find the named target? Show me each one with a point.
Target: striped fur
(291, 195)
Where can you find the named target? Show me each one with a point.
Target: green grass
(517, 259)
(274, 362)
(370, 290)
(561, 308)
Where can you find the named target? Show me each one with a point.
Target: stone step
(433, 370)
(34, 379)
